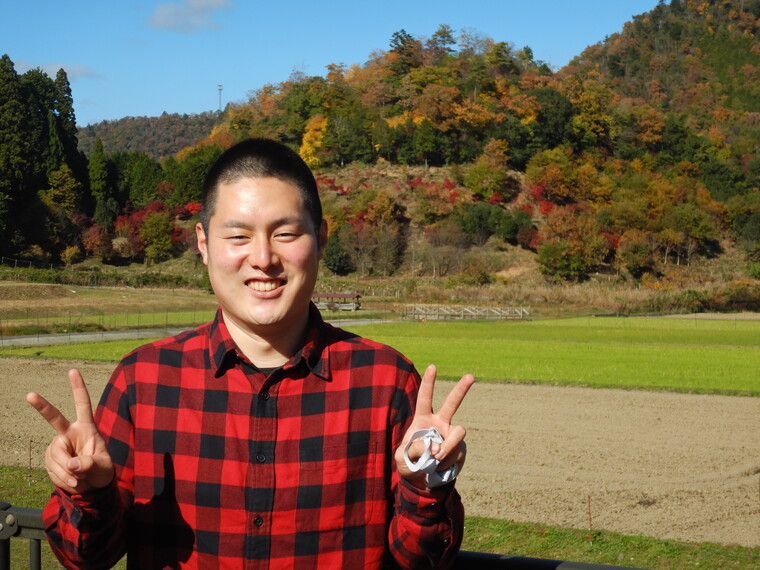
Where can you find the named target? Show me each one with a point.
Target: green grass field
(685, 355)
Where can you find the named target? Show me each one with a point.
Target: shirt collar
(224, 353)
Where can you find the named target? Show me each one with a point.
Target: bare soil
(676, 466)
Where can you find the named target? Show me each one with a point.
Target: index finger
(425, 393)
(82, 401)
(456, 397)
(48, 411)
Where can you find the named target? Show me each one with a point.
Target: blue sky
(143, 57)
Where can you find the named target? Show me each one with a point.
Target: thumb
(86, 465)
(80, 464)
(90, 463)
(96, 470)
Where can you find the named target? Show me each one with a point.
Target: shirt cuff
(96, 503)
(425, 503)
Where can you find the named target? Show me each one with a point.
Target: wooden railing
(444, 312)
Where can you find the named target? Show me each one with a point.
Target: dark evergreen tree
(56, 153)
(101, 187)
(335, 256)
(137, 177)
(64, 106)
(304, 98)
(347, 136)
(186, 175)
(553, 124)
(722, 180)
(440, 45)
(39, 99)
(67, 125)
(507, 224)
(14, 153)
(476, 221)
(425, 144)
(406, 52)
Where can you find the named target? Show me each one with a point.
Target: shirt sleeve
(85, 531)
(428, 525)
(89, 530)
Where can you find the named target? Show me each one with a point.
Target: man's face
(262, 253)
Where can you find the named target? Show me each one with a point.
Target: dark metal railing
(483, 561)
(21, 522)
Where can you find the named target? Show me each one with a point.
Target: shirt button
(260, 457)
(264, 396)
(258, 521)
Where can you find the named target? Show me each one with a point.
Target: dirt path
(658, 464)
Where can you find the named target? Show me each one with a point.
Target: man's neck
(268, 346)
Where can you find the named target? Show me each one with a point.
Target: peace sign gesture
(77, 459)
(452, 450)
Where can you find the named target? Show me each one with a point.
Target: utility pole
(220, 87)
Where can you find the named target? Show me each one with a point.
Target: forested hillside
(158, 137)
(440, 155)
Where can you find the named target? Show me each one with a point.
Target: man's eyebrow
(285, 220)
(236, 224)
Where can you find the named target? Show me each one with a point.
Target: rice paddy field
(682, 354)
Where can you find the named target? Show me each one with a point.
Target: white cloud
(187, 16)
(73, 72)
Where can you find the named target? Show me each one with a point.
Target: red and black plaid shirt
(219, 465)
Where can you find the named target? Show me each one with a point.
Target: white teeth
(263, 285)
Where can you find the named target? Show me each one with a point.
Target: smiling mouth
(265, 286)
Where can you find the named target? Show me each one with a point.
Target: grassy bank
(601, 547)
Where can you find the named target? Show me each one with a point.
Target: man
(266, 438)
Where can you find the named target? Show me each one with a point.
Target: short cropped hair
(260, 158)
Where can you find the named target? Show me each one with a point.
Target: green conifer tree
(14, 151)
(106, 206)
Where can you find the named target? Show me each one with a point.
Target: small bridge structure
(337, 301)
(451, 312)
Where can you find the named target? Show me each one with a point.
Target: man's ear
(322, 237)
(200, 234)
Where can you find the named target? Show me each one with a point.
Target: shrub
(336, 258)
(71, 254)
(559, 260)
(635, 253)
(36, 253)
(688, 301)
(156, 234)
(737, 296)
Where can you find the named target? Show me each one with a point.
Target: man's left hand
(452, 450)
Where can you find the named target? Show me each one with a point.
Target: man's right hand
(77, 459)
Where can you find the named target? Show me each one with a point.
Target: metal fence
(21, 522)
(443, 312)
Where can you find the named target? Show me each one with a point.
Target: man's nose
(261, 254)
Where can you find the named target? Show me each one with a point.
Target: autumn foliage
(639, 155)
